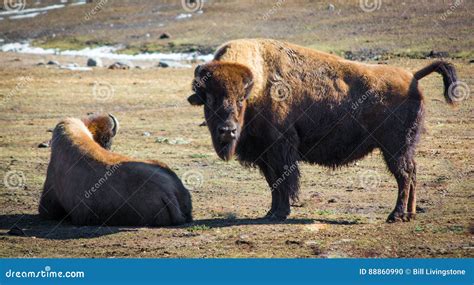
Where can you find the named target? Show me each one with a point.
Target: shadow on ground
(222, 223)
(29, 225)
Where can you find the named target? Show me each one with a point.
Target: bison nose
(227, 133)
(227, 130)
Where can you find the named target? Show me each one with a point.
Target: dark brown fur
(333, 112)
(90, 185)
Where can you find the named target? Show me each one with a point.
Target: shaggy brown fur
(92, 186)
(275, 104)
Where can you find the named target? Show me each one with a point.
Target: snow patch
(108, 52)
(25, 16)
(183, 16)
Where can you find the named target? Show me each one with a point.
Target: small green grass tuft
(197, 228)
(419, 229)
(199, 155)
(325, 212)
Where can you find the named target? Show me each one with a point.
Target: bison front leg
(282, 174)
(269, 175)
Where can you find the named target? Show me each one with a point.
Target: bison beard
(334, 112)
(224, 150)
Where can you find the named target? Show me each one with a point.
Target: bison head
(223, 88)
(103, 128)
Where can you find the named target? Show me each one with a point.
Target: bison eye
(209, 99)
(240, 102)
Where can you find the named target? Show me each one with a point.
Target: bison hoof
(275, 216)
(400, 217)
(409, 217)
(395, 217)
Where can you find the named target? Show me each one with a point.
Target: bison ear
(248, 87)
(197, 70)
(195, 100)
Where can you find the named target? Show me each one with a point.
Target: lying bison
(274, 104)
(93, 186)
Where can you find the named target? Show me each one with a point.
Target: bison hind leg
(411, 207)
(403, 167)
(398, 150)
(169, 213)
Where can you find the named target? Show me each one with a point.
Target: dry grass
(231, 198)
(227, 204)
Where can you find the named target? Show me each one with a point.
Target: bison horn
(247, 87)
(116, 124)
(197, 70)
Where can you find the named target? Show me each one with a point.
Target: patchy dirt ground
(341, 213)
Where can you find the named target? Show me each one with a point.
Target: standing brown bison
(275, 104)
(92, 186)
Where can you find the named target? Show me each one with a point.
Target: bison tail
(447, 71)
